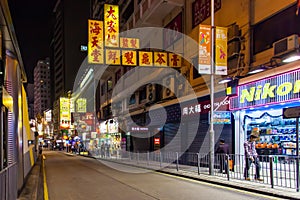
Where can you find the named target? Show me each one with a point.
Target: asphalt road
(76, 177)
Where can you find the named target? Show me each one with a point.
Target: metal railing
(278, 171)
(8, 183)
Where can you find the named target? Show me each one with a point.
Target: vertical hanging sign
(95, 43)
(204, 61)
(221, 51)
(111, 25)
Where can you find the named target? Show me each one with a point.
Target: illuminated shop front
(110, 137)
(258, 107)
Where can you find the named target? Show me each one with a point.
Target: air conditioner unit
(285, 45)
(151, 92)
(168, 87)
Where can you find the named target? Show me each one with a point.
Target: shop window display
(277, 136)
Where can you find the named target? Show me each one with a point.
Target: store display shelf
(278, 134)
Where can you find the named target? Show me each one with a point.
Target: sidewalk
(191, 172)
(32, 189)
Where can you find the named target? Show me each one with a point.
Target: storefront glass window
(277, 136)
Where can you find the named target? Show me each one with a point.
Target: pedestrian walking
(251, 156)
(222, 152)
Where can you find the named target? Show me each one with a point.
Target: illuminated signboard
(65, 115)
(221, 117)
(129, 58)
(160, 59)
(48, 115)
(220, 104)
(129, 43)
(81, 105)
(113, 57)
(95, 43)
(156, 141)
(174, 60)
(145, 58)
(111, 25)
(272, 90)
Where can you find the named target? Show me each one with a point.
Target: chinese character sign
(161, 59)
(145, 58)
(174, 60)
(129, 58)
(95, 43)
(112, 57)
(129, 43)
(81, 105)
(221, 51)
(204, 49)
(111, 25)
(172, 31)
(65, 115)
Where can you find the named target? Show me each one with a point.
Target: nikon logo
(267, 90)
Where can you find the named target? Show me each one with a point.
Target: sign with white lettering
(204, 107)
(272, 90)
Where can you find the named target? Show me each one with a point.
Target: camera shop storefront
(258, 107)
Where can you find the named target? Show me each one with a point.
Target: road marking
(46, 197)
(218, 186)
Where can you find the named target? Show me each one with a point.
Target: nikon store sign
(272, 90)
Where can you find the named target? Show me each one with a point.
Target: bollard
(148, 158)
(138, 157)
(275, 159)
(271, 171)
(227, 168)
(177, 161)
(198, 163)
(160, 159)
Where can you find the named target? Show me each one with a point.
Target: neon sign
(273, 90)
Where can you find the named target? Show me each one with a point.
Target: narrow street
(76, 177)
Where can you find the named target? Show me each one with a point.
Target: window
(132, 100)
(195, 67)
(118, 75)
(143, 94)
(277, 27)
(102, 89)
(109, 84)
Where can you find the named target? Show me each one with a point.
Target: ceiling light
(258, 69)
(225, 80)
(291, 58)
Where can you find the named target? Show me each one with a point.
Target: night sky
(32, 22)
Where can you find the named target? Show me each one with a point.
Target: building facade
(42, 87)
(68, 34)
(248, 48)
